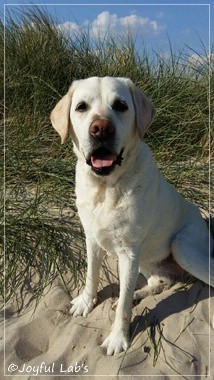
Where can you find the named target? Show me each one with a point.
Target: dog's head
(104, 116)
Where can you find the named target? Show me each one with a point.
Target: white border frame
(209, 177)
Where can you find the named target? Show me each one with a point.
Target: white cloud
(196, 59)
(111, 24)
(69, 27)
(103, 24)
(201, 61)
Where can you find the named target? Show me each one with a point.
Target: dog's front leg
(118, 339)
(83, 304)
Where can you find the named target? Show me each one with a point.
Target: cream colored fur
(132, 212)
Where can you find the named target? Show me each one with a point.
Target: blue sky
(184, 23)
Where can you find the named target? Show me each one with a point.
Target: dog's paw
(156, 285)
(150, 290)
(82, 305)
(140, 294)
(116, 342)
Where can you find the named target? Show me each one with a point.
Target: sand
(172, 335)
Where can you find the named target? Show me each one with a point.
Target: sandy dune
(171, 335)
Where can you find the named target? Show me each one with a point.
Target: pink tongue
(105, 161)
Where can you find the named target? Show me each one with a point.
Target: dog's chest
(110, 220)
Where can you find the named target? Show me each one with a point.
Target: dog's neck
(110, 189)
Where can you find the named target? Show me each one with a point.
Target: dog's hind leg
(157, 283)
(160, 276)
(192, 248)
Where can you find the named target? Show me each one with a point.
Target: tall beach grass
(43, 236)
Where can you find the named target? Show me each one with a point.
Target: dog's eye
(120, 105)
(81, 107)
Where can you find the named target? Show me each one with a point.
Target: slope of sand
(171, 335)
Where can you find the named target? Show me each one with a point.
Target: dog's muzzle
(103, 158)
(103, 161)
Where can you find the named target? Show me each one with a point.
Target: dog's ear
(60, 116)
(144, 109)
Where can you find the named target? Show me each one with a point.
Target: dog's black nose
(101, 129)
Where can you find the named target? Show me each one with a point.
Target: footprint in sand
(33, 340)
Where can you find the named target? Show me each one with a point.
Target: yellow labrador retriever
(125, 204)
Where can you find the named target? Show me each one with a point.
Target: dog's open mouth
(103, 160)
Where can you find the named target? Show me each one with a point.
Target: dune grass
(43, 237)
